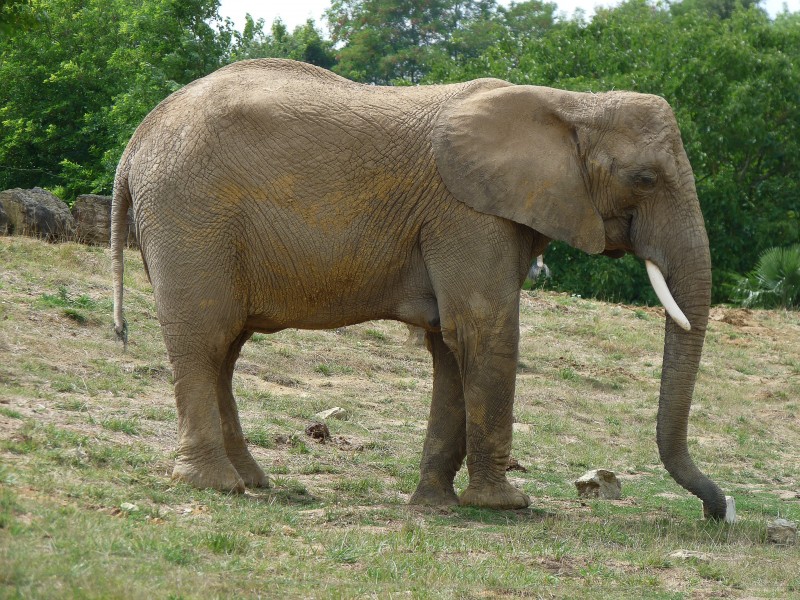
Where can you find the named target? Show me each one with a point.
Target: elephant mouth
(618, 243)
(615, 253)
(659, 287)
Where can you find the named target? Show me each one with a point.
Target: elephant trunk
(685, 261)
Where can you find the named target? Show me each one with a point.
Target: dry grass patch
(87, 439)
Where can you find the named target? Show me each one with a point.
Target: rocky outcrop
(36, 213)
(3, 221)
(92, 215)
(782, 532)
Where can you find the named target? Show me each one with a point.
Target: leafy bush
(775, 282)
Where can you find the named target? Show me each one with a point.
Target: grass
(86, 429)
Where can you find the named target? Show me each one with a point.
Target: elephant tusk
(662, 291)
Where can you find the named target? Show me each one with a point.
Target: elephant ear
(513, 152)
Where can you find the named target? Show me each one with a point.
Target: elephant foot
(217, 474)
(248, 469)
(428, 494)
(500, 496)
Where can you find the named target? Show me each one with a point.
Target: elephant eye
(645, 179)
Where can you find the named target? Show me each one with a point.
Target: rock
(3, 221)
(331, 413)
(128, 507)
(319, 432)
(37, 213)
(782, 532)
(690, 555)
(599, 483)
(92, 214)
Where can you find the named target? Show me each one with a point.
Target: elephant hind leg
(235, 443)
(197, 358)
(445, 443)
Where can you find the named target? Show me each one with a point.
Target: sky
(295, 12)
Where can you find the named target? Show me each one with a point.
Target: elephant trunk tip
(729, 516)
(665, 296)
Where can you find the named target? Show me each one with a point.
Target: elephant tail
(119, 236)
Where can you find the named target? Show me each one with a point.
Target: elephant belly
(330, 281)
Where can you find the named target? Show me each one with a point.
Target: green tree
(14, 14)
(305, 43)
(722, 9)
(488, 34)
(79, 75)
(397, 41)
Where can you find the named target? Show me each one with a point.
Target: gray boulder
(92, 215)
(3, 221)
(599, 483)
(782, 532)
(36, 213)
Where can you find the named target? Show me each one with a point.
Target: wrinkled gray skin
(416, 335)
(273, 194)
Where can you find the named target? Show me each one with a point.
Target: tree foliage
(305, 43)
(14, 14)
(775, 282)
(79, 75)
(397, 41)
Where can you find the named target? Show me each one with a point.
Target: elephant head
(605, 173)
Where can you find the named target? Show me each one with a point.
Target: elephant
(416, 335)
(273, 194)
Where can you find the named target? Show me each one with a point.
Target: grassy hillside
(87, 439)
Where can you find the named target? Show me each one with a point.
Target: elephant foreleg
(445, 443)
(487, 355)
(235, 443)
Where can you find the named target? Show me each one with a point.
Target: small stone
(600, 483)
(690, 555)
(331, 413)
(782, 532)
(128, 507)
(319, 432)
